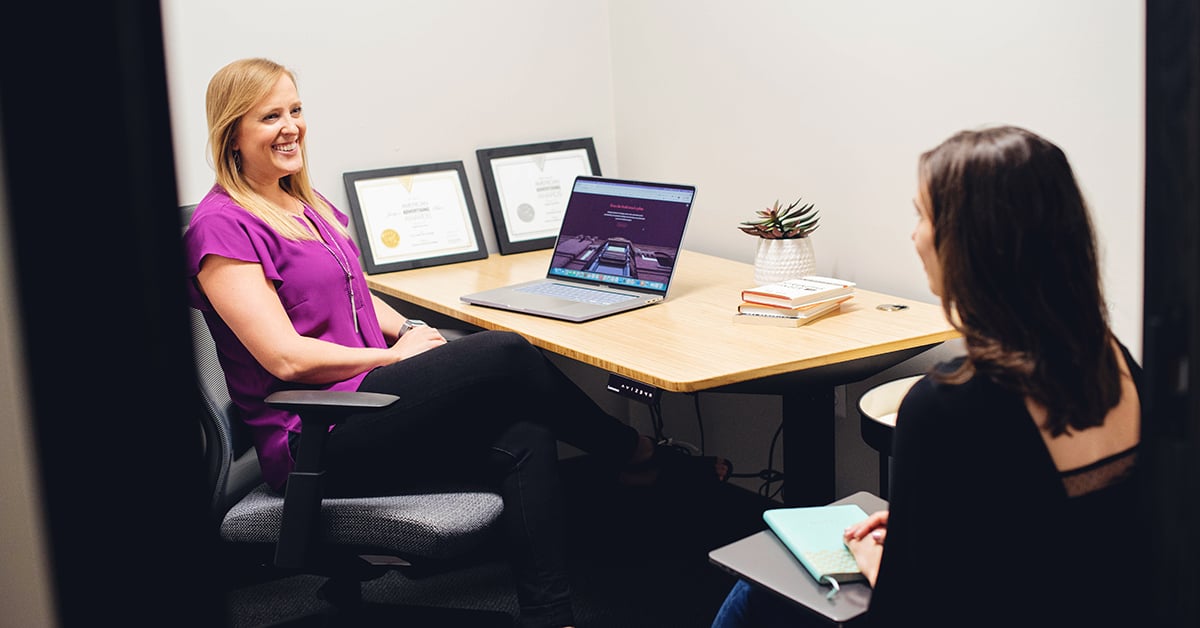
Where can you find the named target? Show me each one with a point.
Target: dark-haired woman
(1014, 496)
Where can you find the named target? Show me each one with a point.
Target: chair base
(371, 615)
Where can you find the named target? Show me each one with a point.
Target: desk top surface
(686, 343)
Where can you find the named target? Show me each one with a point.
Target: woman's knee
(512, 345)
(513, 356)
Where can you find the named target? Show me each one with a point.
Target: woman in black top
(1013, 498)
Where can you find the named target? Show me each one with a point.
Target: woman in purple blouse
(272, 266)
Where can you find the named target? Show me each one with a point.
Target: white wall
(833, 101)
(751, 101)
(388, 84)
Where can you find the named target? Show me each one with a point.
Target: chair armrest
(334, 403)
(318, 410)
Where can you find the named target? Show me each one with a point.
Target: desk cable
(769, 475)
(651, 398)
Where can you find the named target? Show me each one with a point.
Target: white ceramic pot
(777, 260)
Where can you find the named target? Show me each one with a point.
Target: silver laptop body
(616, 251)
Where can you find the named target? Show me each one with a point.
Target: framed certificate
(414, 216)
(528, 186)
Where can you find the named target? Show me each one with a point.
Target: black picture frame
(430, 203)
(524, 204)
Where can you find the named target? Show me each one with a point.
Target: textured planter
(777, 260)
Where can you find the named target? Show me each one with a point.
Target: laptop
(616, 251)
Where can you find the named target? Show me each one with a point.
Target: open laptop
(616, 251)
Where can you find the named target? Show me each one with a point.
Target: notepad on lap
(814, 535)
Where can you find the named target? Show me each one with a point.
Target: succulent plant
(781, 223)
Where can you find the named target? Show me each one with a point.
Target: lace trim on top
(1100, 474)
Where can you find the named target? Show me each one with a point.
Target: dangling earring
(237, 160)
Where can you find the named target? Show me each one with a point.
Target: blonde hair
(232, 92)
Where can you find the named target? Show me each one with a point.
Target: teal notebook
(814, 535)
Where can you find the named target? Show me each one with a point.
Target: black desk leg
(808, 446)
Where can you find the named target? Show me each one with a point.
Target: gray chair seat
(427, 525)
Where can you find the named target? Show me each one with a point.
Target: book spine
(773, 315)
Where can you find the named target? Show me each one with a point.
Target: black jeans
(490, 407)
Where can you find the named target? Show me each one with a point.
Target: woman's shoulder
(220, 226)
(934, 384)
(218, 205)
(218, 212)
(934, 397)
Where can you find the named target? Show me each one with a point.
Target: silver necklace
(343, 262)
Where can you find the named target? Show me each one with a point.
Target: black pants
(489, 407)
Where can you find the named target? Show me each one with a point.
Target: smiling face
(922, 237)
(269, 136)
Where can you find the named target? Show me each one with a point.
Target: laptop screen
(622, 233)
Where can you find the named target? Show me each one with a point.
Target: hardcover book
(808, 309)
(799, 291)
(786, 317)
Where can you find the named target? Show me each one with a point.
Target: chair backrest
(882, 402)
(232, 462)
(185, 214)
(233, 469)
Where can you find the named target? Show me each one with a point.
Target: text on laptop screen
(622, 234)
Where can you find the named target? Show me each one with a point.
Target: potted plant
(783, 223)
(784, 250)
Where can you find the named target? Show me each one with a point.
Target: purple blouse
(310, 279)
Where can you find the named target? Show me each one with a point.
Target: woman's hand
(418, 340)
(247, 301)
(865, 540)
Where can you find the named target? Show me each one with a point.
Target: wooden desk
(689, 343)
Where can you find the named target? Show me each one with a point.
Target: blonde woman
(277, 276)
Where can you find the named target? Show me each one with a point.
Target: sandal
(674, 465)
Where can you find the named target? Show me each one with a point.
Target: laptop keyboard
(578, 295)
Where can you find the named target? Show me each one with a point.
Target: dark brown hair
(1020, 274)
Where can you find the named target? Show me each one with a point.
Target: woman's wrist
(408, 324)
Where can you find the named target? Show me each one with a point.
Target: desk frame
(698, 347)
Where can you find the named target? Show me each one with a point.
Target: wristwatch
(409, 323)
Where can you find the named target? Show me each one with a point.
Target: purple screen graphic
(623, 240)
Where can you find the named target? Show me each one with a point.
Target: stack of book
(793, 302)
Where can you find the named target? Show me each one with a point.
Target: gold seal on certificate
(390, 238)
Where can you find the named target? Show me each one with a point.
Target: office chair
(346, 540)
(877, 411)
